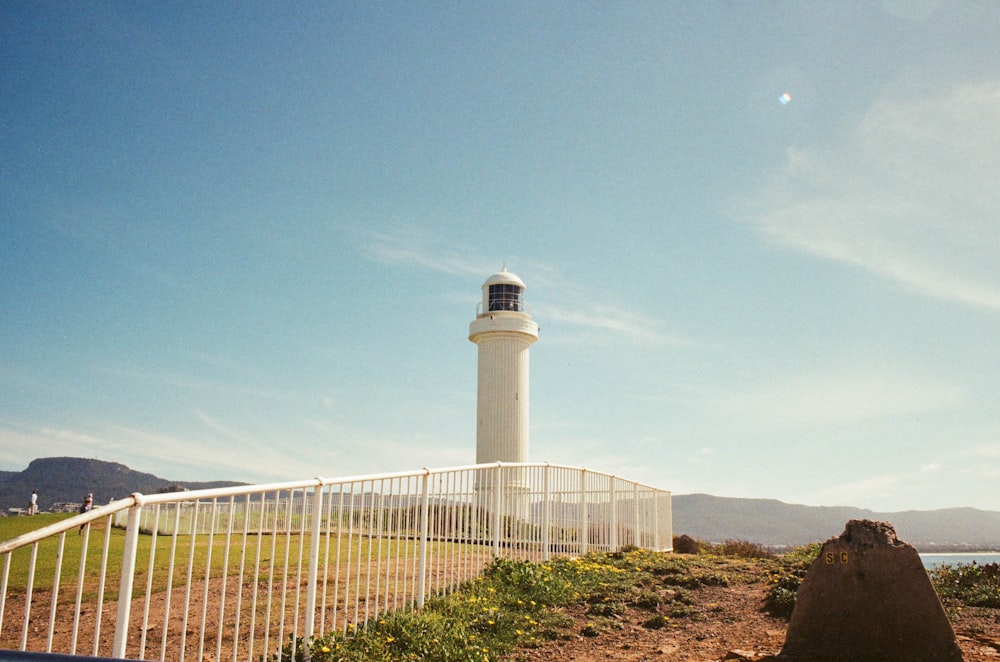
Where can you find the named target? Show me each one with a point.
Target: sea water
(931, 561)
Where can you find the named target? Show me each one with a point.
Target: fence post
(127, 578)
(664, 507)
(636, 539)
(424, 533)
(584, 534)
(656, 520)
(311, 588)
(613, 503)
(497, 501)
(546, 511)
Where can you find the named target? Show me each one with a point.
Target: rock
(868, 598)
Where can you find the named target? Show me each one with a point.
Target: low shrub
(969, 584)
(785, 580)
(656, 622)
(685, 544)
(742, 549)
(781, 595)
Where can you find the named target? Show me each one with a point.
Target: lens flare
(785, 98)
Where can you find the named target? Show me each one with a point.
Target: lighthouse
(503, 330)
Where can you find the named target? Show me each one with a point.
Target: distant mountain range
(70, 479)
(714, 519)
(774, 523)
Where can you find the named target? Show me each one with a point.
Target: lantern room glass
(506, 297)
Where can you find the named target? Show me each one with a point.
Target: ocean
(931, 561)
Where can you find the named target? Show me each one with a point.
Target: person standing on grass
(33, 504)
(88, 503)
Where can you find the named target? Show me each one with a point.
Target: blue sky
(245, 240)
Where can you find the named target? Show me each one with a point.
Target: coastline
(933, 559)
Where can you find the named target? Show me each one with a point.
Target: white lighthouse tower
(503, 330)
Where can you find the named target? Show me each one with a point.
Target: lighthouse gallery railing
(234, 573)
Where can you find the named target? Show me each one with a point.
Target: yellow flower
(325, 649)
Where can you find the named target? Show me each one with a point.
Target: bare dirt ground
(727, 623)
(723, 623)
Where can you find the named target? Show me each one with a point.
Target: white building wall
(503, 339)
(503, 399)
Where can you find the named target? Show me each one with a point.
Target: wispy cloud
(410, 247)
(879, 490)
(565, 301)
(835, 397)
(607, 320)
(982, 461)
(869, 489)
(988, 451)
(911, 194)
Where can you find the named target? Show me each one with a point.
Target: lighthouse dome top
(504, 277)
(503, 292)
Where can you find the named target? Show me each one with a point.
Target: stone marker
(868, 598)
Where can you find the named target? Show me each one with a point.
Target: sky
(244, 241)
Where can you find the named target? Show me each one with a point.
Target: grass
(200, 555)
(48, 556)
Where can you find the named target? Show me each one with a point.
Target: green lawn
(200, 556)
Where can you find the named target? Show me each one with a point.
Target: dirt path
(725, 623)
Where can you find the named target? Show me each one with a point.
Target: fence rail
(235, 573)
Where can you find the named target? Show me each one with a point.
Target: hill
(775, 523)
(69, 479)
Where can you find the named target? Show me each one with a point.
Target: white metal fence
(235, 573)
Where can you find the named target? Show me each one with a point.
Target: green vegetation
(11, 527)
(785, 575)
(968, 585)
(520, 604)
(513, 604)
(48, 557)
